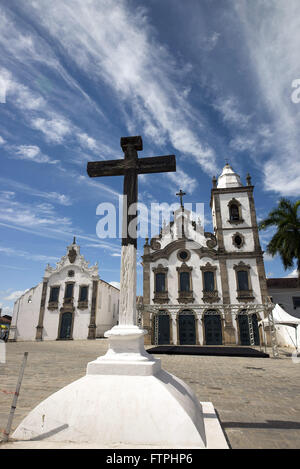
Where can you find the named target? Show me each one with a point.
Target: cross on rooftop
(181, 194)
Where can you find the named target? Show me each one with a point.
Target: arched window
(184, 281)
(234, 212)
(209, 281)
(160, 282)
(243, 283)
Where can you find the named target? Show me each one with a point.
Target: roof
(4, 320)
(287, 282)
(280, 316)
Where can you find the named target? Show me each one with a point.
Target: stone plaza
(257, 399)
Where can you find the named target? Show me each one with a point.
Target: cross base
(126, 354)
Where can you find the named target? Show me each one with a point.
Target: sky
(207, 80)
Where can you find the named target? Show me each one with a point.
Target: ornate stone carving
(72, 254)
(212, 240)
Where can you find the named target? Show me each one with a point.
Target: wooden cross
(130, 167)
(181, 194)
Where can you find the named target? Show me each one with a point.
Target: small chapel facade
(71, 302)
(198, 286)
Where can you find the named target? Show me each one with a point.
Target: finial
(74, 240)
(248, 178)
(214, 181)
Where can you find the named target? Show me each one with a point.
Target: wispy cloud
(271, 31)
(111, 42)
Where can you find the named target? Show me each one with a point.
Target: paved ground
(257, 399)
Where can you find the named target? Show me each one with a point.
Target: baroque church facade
(71, 302)
(199, 287)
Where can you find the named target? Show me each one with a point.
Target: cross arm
(106, 168)
(156, 164)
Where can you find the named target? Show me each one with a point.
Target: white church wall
(248, 240)
(107, 309)
(253, 277)
(26, 315)
(82, 317)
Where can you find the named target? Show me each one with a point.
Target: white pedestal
(124, 399)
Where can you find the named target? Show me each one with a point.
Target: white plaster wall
(232, 279)
(197, 284)
(284, 297)
(26, 315)
(242, 197)
(248, 240)
(107, 314)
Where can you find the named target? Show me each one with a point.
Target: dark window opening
(183, 255)
(234, 212)
(54, 294)
(243, 282)
(69, 290)
(238, 240)
(296, 301)
(160, 284)
(209, 282)
(83, 294)
(184, 281)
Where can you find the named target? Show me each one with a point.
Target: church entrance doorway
(244, 329)
(187, 328)
(66, 326)
(162, 329)
(213, 328)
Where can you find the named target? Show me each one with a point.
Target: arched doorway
(162, 328)
(244, 329)
(65, 331)
(187, 328)
(212, 328)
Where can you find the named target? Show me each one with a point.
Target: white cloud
(229, 109)
(115, 284)
(181, 180)
(31, 153)
(292, 274)
(15, 295)
(55, 129)
(2, 141)
(111, 42)
(271, 30)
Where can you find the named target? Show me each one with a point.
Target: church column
(92, 325)
(174, 328)
(146, 293)
(40, 326)
(229, 335)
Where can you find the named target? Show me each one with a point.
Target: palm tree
(286, 240)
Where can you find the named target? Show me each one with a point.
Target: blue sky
(206, 80)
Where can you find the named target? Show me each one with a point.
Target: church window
(160, 283)
(243, 283)
(54, 292)
(83, 295)
(238, 240)
(183, 255)
(184, 281)
(234, 212)
(71, 273)
(209, 281)
(69, 290)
